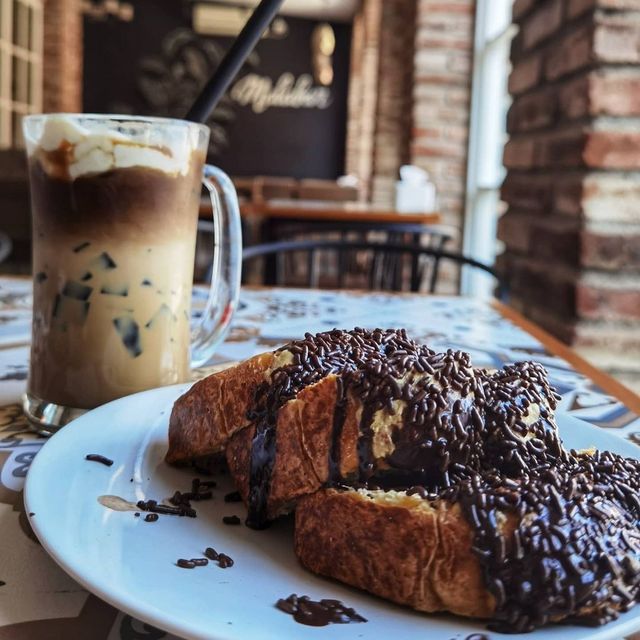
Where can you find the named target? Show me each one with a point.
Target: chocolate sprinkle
(231, 520)
(318, 613)
(234, 496)
(186, 564)
(95, 457)
(224, 561)
(200, 562)
(153, 507)
(211, 553)
(151, 517)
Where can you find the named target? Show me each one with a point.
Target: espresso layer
(134, 202)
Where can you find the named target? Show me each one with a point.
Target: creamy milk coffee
(115, 218)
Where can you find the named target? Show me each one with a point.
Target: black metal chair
(377, 278)
(434, 236)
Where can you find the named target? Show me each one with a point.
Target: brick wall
(62, 69)
(572, 229)
(442, 86)
(410, 96)
(380, 103)
(363, 89)
(394, 99)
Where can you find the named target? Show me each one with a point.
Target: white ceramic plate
(131, 563)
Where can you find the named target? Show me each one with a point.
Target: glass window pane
(18, 140)
(20, 89)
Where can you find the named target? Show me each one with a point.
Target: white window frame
(487, 134)
(20, 93)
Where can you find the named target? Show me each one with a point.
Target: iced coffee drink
(114, 221)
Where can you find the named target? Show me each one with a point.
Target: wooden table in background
(327, 211)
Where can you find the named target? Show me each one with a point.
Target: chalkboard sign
(275, 120)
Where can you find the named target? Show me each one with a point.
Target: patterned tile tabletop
(39, 601)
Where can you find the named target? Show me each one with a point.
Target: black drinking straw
(228, 68)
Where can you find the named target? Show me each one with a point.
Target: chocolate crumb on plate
(151, 517)
(224, 561)
(231, 520)
(200, 562)
(137, 514)
(211, 553)
(186, 564)
(234, 496)
(96, 457)
(164, 509)
(318, 613)
(2, 583)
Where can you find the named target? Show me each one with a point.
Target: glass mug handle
(227, 267)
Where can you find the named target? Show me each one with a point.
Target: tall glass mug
(115, 204)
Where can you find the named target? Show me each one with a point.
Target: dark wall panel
(155, 65)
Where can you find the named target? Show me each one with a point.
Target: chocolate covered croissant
(451, 487)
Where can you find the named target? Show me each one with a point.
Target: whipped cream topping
(96, 148)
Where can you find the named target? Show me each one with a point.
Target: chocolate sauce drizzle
(557, 534)
(313, 358)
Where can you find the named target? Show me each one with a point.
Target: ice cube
(104, 261)
(129, 332)
(163, 312)
(68, 310)
(76, 290)
(121, 290)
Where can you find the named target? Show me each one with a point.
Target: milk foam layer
(94, 148)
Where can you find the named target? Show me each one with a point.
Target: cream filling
(280, 359)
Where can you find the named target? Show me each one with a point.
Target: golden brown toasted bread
(403, 548)
(203, 419)
(554, 544)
